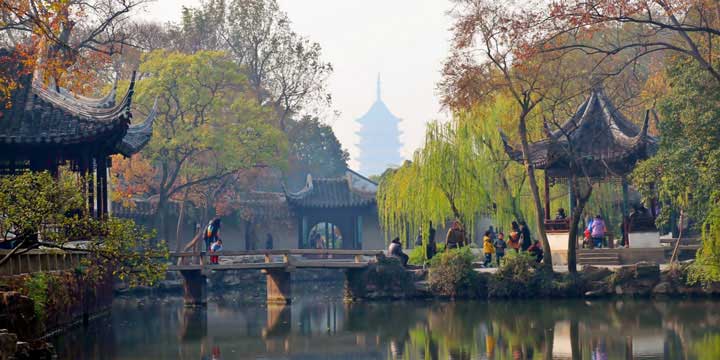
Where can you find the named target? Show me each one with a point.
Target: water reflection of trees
(414, 330)
(527, 330)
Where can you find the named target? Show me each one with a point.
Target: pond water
(318, 326)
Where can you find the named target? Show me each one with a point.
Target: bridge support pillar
(279, 320)
(279, 286)
(355, 284)
(195, 288)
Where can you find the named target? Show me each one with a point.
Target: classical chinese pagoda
(598, 142)
(597, 136)
(379, 138)
(44, 128)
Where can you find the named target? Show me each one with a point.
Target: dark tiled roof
(40, 116)
(598, 133)
(137, 135)
(263, 205)
(330, 193)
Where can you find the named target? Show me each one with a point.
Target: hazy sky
(403, 40)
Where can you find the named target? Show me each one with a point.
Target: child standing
(500, 246)
(488, 249)
(214, 248)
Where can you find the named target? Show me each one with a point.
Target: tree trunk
(178, 228)
(575, 348)
(674, 256)
(162, 217)
(576, 216)
(549, 340)
(573, 235)
(539, 211)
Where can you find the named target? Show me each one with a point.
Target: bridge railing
(39, 260)
(296, 256)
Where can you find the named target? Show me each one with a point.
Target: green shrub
(417, 255)
(451, 274)
(519, 276)
(706, 268)
(36, 287)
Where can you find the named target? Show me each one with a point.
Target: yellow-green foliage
(606, 200)
(35, 203)
(706, 268)
(461, 171)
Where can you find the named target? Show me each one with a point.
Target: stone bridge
(277, 265)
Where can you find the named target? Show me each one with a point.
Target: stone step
(599, 257)
(608, 260)
(596, 262)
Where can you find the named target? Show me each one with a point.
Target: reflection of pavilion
(596, 342)
(597, 142)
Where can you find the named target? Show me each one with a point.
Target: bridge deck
(275, 259)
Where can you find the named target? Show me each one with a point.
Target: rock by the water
(662, 288)
(8, 344)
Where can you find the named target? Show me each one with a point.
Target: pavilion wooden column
(547, 196)
(90, 180)
(304, 233)
(625, 201)
(101, 184)
(571, 196)
(359, 233)
(98, 187)
(279, 286)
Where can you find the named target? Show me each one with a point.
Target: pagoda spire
(378, 88)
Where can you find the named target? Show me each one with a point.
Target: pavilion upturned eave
(597, 140)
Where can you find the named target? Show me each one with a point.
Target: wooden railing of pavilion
(40, 260)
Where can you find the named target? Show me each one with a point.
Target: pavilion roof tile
(331, 193)
(42, 115)
(597, 133)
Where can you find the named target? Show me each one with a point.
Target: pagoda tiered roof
(598, 137)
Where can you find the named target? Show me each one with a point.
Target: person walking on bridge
(212, 233)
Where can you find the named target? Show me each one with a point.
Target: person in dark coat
(525, 238)
(395, 250)
(431, 247)
(455, 237)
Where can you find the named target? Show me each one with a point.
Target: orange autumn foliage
(131, 177)
(68, 43)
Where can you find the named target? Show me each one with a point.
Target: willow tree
(437, 185)
(461, 172)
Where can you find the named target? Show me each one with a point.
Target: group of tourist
(594, 234)
(519, 240)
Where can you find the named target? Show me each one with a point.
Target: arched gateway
(330, 211)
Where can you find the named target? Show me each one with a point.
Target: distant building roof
(351, 190)
(597, 135)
